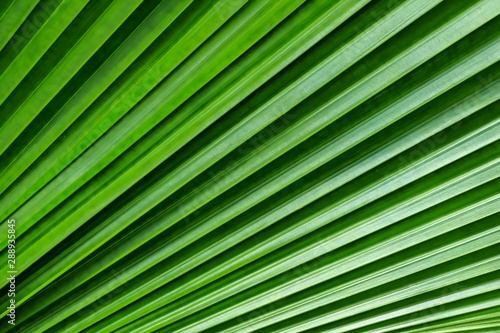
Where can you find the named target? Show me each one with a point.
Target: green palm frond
(250, 165)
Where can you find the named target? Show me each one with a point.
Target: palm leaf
(251, 165)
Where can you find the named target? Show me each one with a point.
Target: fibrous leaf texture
(250, 165)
